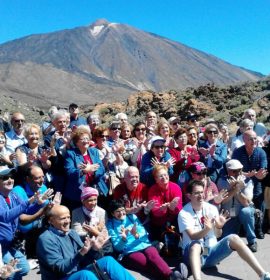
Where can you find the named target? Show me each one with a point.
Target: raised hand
(170, 162)
(57, 198)
(155, 161)
(8, 269)
(261, 174)
(86, 246)
(223, 194)
(172, 205)
(123, 233)
(222, 219)
(133, 231)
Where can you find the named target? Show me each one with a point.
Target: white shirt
(14, 140)
(190, 219)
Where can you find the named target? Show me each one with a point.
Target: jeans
(245, 218)
(217, 253)
(11, 253)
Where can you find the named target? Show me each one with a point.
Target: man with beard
(134, 194)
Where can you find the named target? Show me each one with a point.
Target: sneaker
(253, 247)
(265, 276)
(260, 235)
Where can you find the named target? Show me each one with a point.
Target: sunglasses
(159, 147)
(140, 129)
(6, 177)
(201, 173)
(115, 128)
(212, 132)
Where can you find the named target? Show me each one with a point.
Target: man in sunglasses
(15, 137)
(239, 202)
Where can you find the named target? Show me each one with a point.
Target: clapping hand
(173, 204)
(222, 219)
(9, 269)
(223, 194)
(123, 233)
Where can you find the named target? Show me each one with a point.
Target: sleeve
(146, 169)
(220, 156)
(118, 243)
(50, 253)
(72, 171)
(185, 221)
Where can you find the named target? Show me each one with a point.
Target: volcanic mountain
(105, 62)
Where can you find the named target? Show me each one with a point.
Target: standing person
(62, 254)
(259, 128)
(93, 121)
(174, 123)
(7, 158)
(129, 238)
(75, 119)
(254, 161)
(151, 122)
(164, 130)
(15, 136)
(201, 224)
(192, 133)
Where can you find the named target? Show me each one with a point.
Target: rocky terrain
(105, 62)
(225, 104)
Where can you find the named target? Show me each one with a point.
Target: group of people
(89, 200)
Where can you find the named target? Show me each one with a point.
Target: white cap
(234, 164)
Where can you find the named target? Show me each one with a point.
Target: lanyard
(201, 221)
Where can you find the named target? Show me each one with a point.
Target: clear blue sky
(234, 30)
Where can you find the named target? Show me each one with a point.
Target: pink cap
(197, 166)
(88, 192)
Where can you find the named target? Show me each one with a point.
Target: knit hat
(88, 192)
(197, 167)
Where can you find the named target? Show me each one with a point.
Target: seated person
(156, 155)
(130, 239)
(90, 219)
(168, 202)
(134, 194)
(62, 254)
(239, 202)
(201, 224)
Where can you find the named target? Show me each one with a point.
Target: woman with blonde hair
(164, 130)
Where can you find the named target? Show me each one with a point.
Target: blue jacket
(9, 217)
(58, 253)
(75, 176)
(131, 244)
(147, 168)
(219, 158)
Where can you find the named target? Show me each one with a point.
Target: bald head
(59, 218)
(250, 139)
(132, 177)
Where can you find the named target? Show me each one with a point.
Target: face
(83, 142)
(175, 125)
(33, 135)
(90, 203)
(162, 178)
(101, 140)
(2, 141)
(119, 213)
(250, 115)
(158, 149)
(18, 122)
(199, 175)
(140, 131)
(36, 179)
(151, 119)
(93, 123)
(197, 195)
(126, 132)
(234, 173)
(192, 135)
(193, 122)
(6, 183)
(164, 130)
(74, 111)
(250, 139)
(60, 124)
(132, 179)
(115, 132)
(212, 134)
(182, 140)
(61, 219)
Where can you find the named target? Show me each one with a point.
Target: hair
(59, 114)
(150, 112)
(158, 168)
(124, 125)
(179, 132)
(137, 124)
(3, 134)
(126, 173)
(52, 111)
(246, 122)
(99, 130)
(161, 122)
(120, 115)
(248, 111)
(192, 184)
(92, 116)
(79, 131)
(114, 205)
(115, 124)
(208, 127)
(28, 128)
(28, 172)
(13, 115)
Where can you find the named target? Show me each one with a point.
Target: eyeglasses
(212, 132)
(115, 128)
(140, 129)
(118, 211)
(84, 139)
(17, 121)
(159, 147)
(199, 173)
(6, 177)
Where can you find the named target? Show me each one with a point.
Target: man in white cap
(239, 202)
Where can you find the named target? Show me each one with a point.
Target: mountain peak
(97, 26)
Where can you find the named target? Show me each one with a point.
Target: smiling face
(250, 140)
(140, 131)
(18, 122)
(182, 140)
(126, 132)
(158, 149)
(33, 135)
(60, 218)
(90, 203)
(132, 178)
(196, 196)
(6, 184)
(162, 178)
(83, 142)
(35, 178)
(2, 140)
(60, 124)
(119, 214)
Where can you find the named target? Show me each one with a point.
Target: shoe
(184, 271)
(260, 235)
(265, 276)
(176, 275)
(253, 247)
